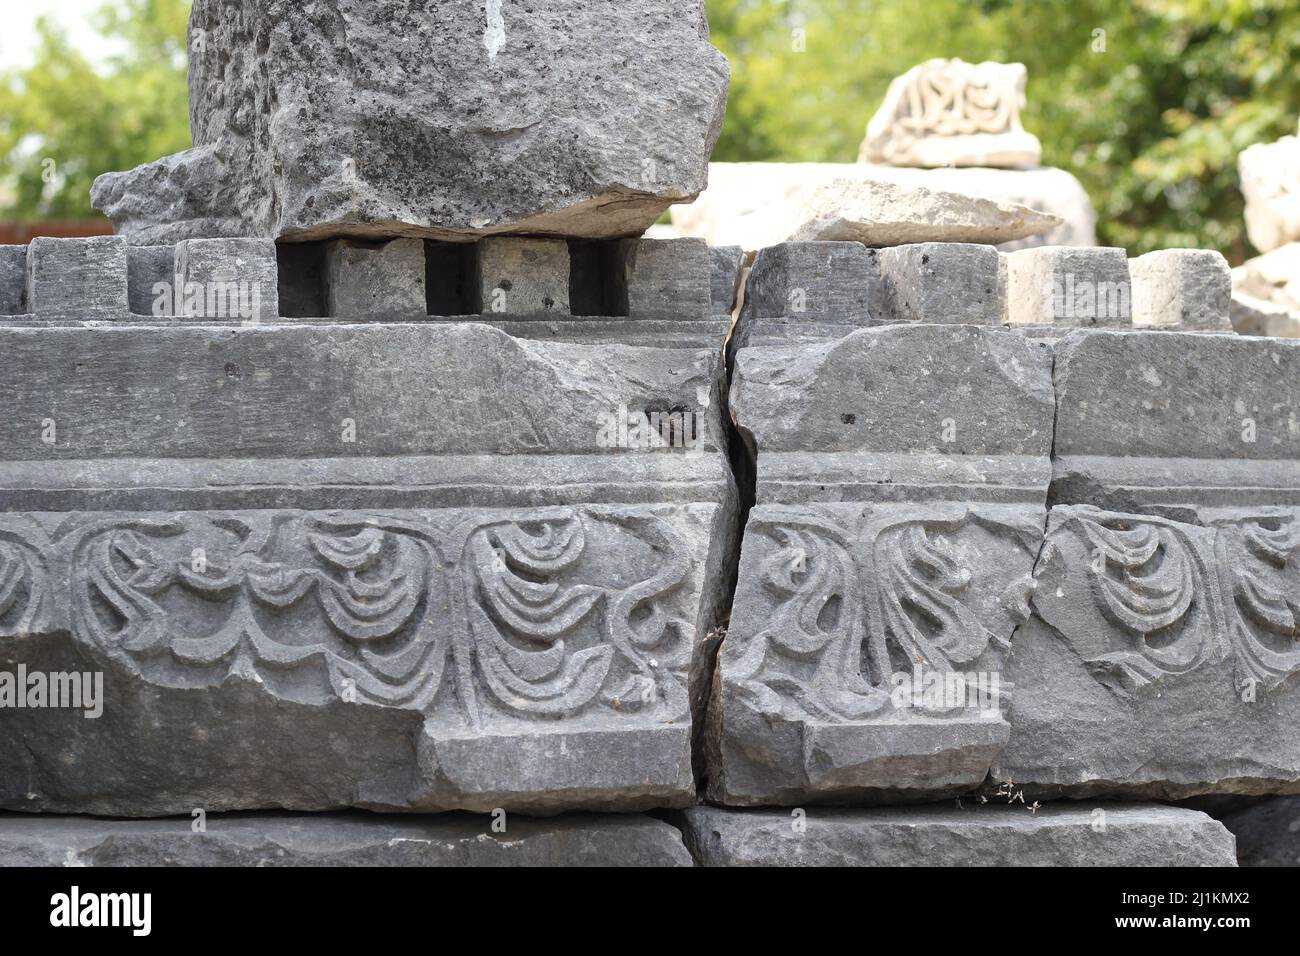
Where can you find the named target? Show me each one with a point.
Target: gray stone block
(407, 566)
(662, 278)
(1188, 289)
(453, 120)
(517, 276)
(1267, 832)
(1160, 660)
(1069, 286)
(820, 281)
(77, 278)
(149, 269)
(338, 840)
(375, 278)
(13, 280)
(902, 480)
(942, 282)
(228, 279)
(1059, 835)
(727, 264)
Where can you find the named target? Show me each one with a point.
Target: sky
(18, 26)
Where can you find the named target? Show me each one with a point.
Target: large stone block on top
(452, 120)
(456, 840)
(1161, 659)
(1058, 835)
(388, 566)
(902, 478)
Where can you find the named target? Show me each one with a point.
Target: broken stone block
(227, 279)
(392, 566)
(942, 282)
(902, 479)
(13, 279)
(151, 279)
(373, 279)
(1189, 289)
(952, 113)
(516, 276)
(455, 840)
(1270, 181)
(662, 278)
(1069, 286)
(1165, 595)
(453, 120)
(77, 278)
(888, 214)
(727, 263)
(1055, 835)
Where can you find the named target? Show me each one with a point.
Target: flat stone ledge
(337, 840)
(1063, 835)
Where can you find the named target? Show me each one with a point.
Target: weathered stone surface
(942, 282)
(727, 263)
(1161, 659)
(341, 840)
(13, 279)
(77, 278)
(1268, 833)
(523, 276)
(901, 487)
(1060, 835)
(370, 279)
(810, 292)
(1251, 316)
(148, 270)
(228, 279)
(1270, 181)
(952, 113)
(1188, 289)
(657, 278)
(451, 120)
(755, 205)
(411, 566)
(1266, 293)
(1070, 287)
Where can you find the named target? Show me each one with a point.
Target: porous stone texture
(755, 205)
(13, 279)
(727, 263)
(1188, 289)
(888, 214)
(953, 113)
(418, 566)
(228, 279)
(522, 276)
(373, 279)
(1062, 835)
(901, 490)
(1070, 287)
(810, 291)
(1270, 181)
(77, 278)
(942, 282)
(1268, 832)
(337, 840)
(1160, 660)
(658, 278)
(151, 280)
(455, 120)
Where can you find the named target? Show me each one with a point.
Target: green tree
(1148, 102)
(64, 120)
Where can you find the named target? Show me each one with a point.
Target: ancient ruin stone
(455, 120)
(422, 566)
(1062, 835)
(953, 113)
(1270, 181)
(901, 489)
(1161, 659)
(341, 840)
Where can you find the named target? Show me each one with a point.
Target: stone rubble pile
(1266, 289)
(943, 540)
